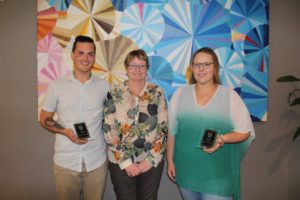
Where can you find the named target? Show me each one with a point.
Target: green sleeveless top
(217, 173)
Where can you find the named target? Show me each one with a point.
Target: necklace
(203, 95)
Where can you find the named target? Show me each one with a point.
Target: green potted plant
(293, 97)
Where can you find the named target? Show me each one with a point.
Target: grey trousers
(142, 187)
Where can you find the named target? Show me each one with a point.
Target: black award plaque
(81, 130)
(208, 139)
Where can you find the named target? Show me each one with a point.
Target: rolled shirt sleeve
(50, 103)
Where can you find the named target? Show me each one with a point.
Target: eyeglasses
(134, 66)
(205, 65)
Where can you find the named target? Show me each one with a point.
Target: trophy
(81, 130)
(209, 138)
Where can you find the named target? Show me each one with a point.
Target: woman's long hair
(211, 52)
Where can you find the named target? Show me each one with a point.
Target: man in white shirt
(80, 163)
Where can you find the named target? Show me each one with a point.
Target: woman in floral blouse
(135, 129)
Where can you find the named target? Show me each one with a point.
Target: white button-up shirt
(76, 102)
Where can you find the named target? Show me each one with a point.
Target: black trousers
(142, 187)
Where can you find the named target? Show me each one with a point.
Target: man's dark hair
(82, 38)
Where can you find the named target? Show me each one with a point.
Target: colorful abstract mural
(170, 31)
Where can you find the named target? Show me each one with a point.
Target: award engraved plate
(208, 139)
(81, 130)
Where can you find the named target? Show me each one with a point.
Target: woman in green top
(206, 107)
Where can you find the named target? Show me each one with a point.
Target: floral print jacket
(135, 128)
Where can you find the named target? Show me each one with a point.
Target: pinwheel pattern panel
(170, 31)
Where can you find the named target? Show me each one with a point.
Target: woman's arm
(170, 153)
(234, 137)
(242, 125)
(111, 133)
(230, 138)
(158, 145)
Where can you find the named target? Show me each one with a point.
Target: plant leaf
(287, 78)
(292, 98)
(295, 102)
(297, 133)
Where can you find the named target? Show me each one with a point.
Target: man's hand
(70, 134)
(47, 121)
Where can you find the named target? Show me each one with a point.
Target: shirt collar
(71, 77)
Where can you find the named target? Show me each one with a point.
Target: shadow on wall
(288, 152)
